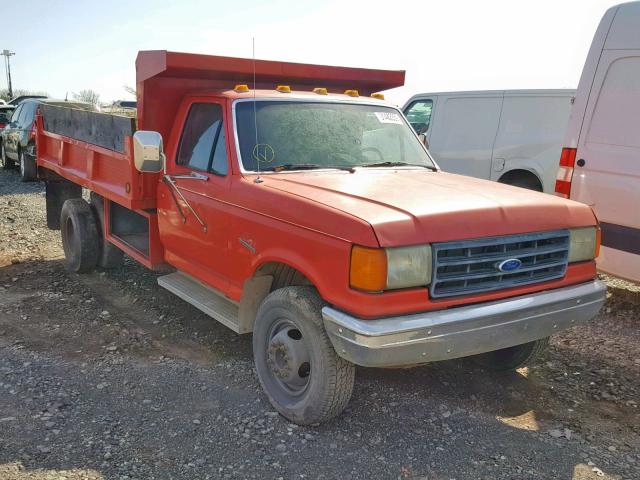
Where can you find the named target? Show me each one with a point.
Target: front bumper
(461, 331)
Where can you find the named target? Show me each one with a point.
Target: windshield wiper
(295, 166)
(397, 164)
(306, 166)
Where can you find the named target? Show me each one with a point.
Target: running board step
(203, 298)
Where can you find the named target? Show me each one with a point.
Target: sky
(66, 46)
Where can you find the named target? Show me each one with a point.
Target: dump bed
(94, 150)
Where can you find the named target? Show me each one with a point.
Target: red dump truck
(293, 202)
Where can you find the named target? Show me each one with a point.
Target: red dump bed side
(94, 150)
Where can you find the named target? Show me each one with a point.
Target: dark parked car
(16, 101)
(17, 139)
(5, 114)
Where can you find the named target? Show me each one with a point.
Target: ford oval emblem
(510, 265)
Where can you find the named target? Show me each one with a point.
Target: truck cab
(310, 215)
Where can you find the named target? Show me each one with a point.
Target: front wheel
(512, 357)
(28, 168)
(303, 377)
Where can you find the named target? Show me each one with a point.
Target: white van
(511, 136)
(600, 164)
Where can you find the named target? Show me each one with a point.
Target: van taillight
(565, 172)
(32, 133)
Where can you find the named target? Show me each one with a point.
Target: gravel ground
(107, 376)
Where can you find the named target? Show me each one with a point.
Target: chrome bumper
(461, 331)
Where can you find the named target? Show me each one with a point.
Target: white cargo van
(511, 136)
(600, 164)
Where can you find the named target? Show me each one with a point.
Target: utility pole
(6, 54)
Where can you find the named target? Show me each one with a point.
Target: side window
(219, 164)
(200, 146)
(16, 114)
(419, 115)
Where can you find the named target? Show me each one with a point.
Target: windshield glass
(324, 135)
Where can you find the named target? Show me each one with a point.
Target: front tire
(300, 372)
(513, 357)
(79, 235)
(28, 168)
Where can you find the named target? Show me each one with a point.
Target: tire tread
(341, 373)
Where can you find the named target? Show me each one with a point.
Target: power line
(6, 54)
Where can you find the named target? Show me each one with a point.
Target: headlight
(584, 244)
(378, 269)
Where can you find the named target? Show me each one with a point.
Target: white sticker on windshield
(388, 117)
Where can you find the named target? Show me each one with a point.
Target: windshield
(324, 135)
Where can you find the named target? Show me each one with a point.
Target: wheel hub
(288, 359)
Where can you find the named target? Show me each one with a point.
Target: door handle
(581, 162)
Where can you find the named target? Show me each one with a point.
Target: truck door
(461, 138)
(193, 217)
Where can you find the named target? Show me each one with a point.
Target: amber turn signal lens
(368, 269)
(598, 241)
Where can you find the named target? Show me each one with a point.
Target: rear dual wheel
(79, 235)
(300, 372)
(109, 256)
(85, 246)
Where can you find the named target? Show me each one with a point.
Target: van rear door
(463, 130)
(607, 167)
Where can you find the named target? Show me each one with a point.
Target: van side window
(419, 115)
(617, 112)
(201, 147)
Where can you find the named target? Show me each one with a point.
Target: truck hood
(409, 206)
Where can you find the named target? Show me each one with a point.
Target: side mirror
(147, 151)
(423, 139)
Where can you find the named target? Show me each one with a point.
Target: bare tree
(130, 90)
(17, 92)
(88, 96)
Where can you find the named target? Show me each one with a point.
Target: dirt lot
(107, 376)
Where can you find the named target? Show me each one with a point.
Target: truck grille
(471, 266)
